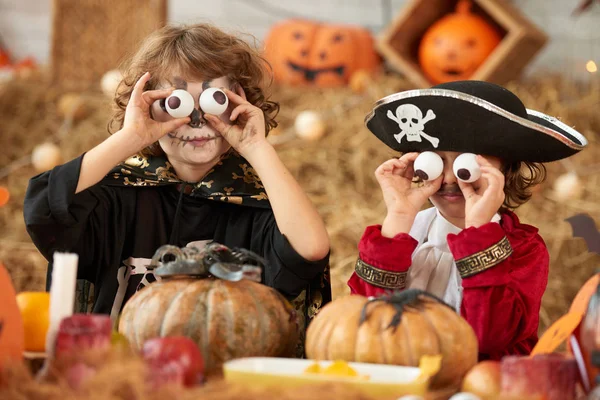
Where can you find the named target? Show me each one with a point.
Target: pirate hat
(471, 117)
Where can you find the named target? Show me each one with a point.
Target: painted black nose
(197, 119)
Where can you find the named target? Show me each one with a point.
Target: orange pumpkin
(225, 319)
(12, 336)
(309, 53)
(394, 329)
(456, 46)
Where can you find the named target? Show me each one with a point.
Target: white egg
(464, 396)
(110, 82)
(214, 101)
(567, 187)
(309, 125)
(46, 156)
(466, 168)
(179, 104)
(428, 166)
(410, 397)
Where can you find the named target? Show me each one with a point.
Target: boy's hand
(249, 130)
(137, 115)
(403, 201)
(483, 198)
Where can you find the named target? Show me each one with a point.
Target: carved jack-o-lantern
(309, 53)
(454, 47)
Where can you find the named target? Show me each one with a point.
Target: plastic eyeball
(214, 101)
(466, 168)
(428, 166)
(179, 104)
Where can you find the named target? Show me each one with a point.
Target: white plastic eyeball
(428, 166)
(214, 101)
(179, 104)
(466, 168)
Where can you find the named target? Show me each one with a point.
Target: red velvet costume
(501, 302)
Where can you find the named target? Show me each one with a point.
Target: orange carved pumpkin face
(457, 45)
(11, 325)
(308, 53)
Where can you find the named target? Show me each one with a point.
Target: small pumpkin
(12, 334)
(397, 329)
(455, 46)
(225, 319)
(304, 52)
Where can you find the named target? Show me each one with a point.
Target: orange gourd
(306, 53)
(394, 329)
(12, 337)
(456, 46)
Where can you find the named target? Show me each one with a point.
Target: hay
(336, 171)
(122, 376)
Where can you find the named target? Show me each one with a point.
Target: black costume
(116, 226)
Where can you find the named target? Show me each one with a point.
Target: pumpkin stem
(409, 299)
(463, 6)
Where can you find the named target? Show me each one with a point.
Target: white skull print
(412, 123)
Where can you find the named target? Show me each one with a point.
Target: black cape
(116, 226)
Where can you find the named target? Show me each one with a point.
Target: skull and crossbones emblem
(411, 122)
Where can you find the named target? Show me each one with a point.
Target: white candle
(62, 293)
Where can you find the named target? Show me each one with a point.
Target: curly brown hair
(519, 178)
(193, 52)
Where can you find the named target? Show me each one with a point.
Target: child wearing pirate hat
(475, 149)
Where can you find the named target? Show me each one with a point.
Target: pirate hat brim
(474, 117)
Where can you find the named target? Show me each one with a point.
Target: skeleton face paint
(197, 142)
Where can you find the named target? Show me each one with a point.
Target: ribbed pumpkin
(226, 319)
(12, 334)
(396, 329)
(304, 52)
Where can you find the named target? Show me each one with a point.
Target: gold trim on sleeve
(379, 277)
(485, 259)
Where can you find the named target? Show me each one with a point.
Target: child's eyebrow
(179, 83)
(206, 84)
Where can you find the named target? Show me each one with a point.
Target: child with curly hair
(182, 168)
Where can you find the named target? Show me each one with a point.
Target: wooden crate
(522, 40)
(91, 37)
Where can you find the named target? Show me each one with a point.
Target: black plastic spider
(406, 300)
(214, 259)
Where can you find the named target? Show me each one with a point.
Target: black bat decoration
(584, 227)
